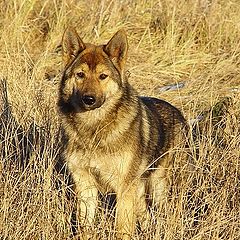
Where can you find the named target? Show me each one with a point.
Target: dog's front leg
(126, 210)
(87, 196)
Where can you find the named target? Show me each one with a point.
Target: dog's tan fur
(122, 143)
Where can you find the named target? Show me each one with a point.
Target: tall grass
(192, 42)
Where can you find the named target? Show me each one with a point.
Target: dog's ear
(72, 45)
(117, 48)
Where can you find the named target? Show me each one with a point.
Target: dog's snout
(89, 100)
(86, 101)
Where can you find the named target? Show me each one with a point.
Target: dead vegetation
(190, 42)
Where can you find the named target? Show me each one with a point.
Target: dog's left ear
(117, 48)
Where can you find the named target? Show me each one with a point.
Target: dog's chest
(109, 169)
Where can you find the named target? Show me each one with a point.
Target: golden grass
(196, 42)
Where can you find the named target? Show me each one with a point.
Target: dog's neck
(101, 125)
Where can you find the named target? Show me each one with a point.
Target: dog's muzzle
(85, 102)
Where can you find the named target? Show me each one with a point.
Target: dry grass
(192, 42)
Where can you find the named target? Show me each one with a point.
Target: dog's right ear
(72, 45)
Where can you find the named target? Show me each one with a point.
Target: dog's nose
(88, 100)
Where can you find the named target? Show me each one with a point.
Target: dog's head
(93, 74)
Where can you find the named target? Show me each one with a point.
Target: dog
(117, 141)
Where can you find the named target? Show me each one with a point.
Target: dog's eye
(80, 74)
(103, 76)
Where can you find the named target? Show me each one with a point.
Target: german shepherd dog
(117, 140)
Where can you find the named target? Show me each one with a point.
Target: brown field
(194, 42)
